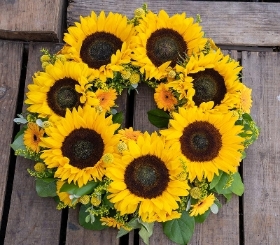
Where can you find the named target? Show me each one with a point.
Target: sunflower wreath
(121, 177)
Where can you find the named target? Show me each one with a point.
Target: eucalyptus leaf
(158, 118)
(146, 231)
(46, 187)
(79, 191)
(180, 230)
(83, 218)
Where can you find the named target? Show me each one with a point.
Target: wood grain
(222, 228)
(261, 167)
(227, 23)
(10, 67)
(32, 219)
(31, 20)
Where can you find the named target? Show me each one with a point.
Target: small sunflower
(202, 205)
(144, 179)
(208, 142)
(77, 143)
(101, 42)
(61, 86)
(162, 40)
(245, 99)
(106, 98)
(32, 137)
(214, 78)
(164, 98)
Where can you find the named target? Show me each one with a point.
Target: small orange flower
(246, 99)
(32, 137)
(129, 134)
(106, 98)
(164, 98)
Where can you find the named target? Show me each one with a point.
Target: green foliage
(227, 184)
(118, 118)
(180, 230)
(84, 219)
(73, 189)
(158, 118)
(46, 187)
(146, 231)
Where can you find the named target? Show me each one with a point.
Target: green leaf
(146, 231)
(222, 187)
(46, 187)
(158, 118)
(216, 180)
(73, 189)
(134, 224)
(237, 186)
(96, 225)
(18, 141)
(201, 218)
(180, 230)
(118, 118)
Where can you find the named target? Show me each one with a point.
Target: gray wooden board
(222, 228)
(10, 67)
(76, 233)
(32, 219)
(31, 20)
(261, 167)
(227, 23)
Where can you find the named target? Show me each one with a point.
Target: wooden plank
(261, 167)
(32, 219)
(222, 228)
(78, 235)
(31, 20)
(10, 67)
(227, 23)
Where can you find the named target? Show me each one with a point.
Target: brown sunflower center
(165, 45)
(146, 176)
(209, 85)
(84, 147)
(201, 141)
(98, 48)
(63, 95)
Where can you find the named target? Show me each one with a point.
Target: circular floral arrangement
(121, 177)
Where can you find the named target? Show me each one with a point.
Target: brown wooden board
(10, 67)
(32, 219)
(261, 167)
(222, 228)
(227, 23)
(31, 20)
(76, 234)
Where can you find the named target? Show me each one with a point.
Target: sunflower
(164, 98)
(101, 42)
(106, 98)
(144, 179)
(214, 78)
(202, 205)
(32, 137)
(208, 142)
(162, 40)
(61, 86)
(245, 99)
(77, 143)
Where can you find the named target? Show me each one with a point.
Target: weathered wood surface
(32, 20)
(227, 23)
(218, 229)
(261, 167)
(32, 219)
(10, 67)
